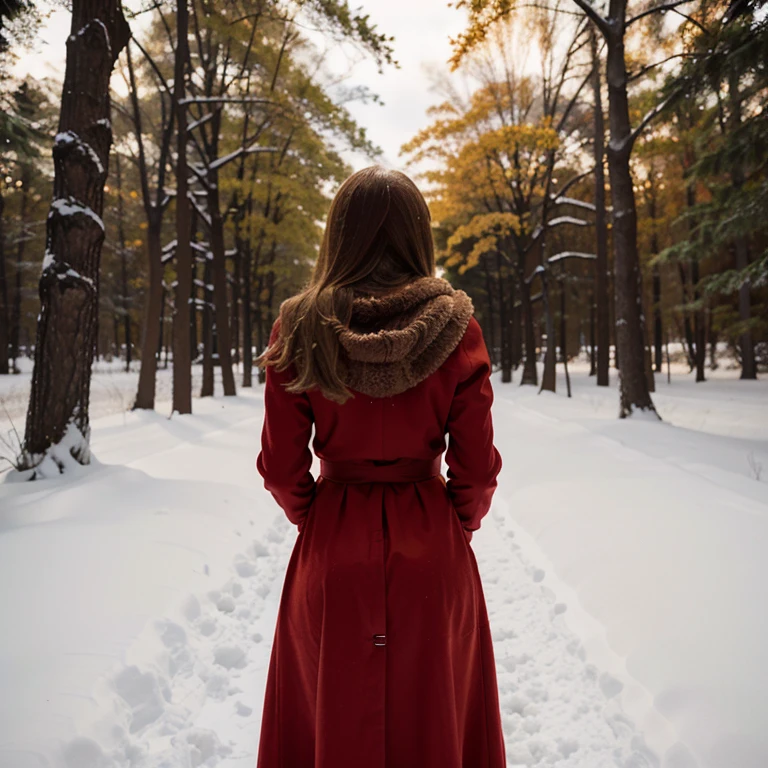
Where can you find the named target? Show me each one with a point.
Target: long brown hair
(377, 238)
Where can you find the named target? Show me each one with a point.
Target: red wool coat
(382, 654)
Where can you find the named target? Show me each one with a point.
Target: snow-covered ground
(113, 390)
(624, 567)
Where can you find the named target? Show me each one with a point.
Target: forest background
(596, 176)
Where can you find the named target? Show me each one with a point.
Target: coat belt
(372, 471)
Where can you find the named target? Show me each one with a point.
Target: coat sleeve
(285, 457)
(472, 459)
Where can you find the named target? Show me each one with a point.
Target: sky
(421, 28)
(422, 31)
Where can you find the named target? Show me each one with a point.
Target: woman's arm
(285, 457)
(473, 461)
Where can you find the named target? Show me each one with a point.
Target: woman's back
(422, 376)
(383, 654)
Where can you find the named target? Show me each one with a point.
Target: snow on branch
(216, 164)
(200, 212)
(197, 123)
(538, 271)
(201, 175)
(573, 201)
(567, 220)
(657, 9)
(224, 100)
(571, 255)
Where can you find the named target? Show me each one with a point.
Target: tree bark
(26, 181)
(548, 376)
(193, 344)
(206, 389)
(506, 347)
(67, 328)
(658, 331)
(234, 305)
(564, 336)
(592, 337)
(151, 343)
(746, 342)
(154, 307)
(602, 296)
(182, 359)
(219, 272)
(699, 326)
(247, 250)
(530, 374)
(125, 299)
(247, 321)
(630, 342)
(491, 324)
(4, 335)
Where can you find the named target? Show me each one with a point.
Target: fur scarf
(395, 341)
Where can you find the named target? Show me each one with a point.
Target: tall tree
(182, 353)
(601, 229)
(612, 27)
(726, 68)
(57, 420)
(155, 200)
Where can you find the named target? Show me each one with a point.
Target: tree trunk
(219, 270)
(530, 374)
(247, 300)
(3, 295)
(151, 342)
(123, 266)
(592, 335)
(746, 342)
(491, 324)
(515, 344)
(506, 347)
(699, 327)
(69, 286)
(26, 180)
(182, 359)
(260, 335)
(234, 306)
(601, 228)
(713, 364)
(154, 306)
(688, 341)
(564, 336)
(630, 342)
(658, 331)
(206, 389)
(548, 376)
(247, 323)
(193, 350)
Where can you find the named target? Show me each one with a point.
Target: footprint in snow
(230, 657)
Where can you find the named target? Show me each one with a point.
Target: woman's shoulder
(470, 351)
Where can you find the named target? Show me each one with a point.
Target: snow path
(204, 707)
(660, 533)
(622, 564)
